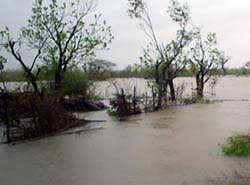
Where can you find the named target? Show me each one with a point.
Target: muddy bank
(26, 116)
(81, 104)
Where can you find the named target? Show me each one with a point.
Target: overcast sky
(230, 19)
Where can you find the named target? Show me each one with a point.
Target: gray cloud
(229, 19)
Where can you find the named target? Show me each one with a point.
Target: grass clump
(195, 99)
(112, 112)
(237, 145)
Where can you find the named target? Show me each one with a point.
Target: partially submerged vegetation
(131, 71)
(60, 37)
(195, 99)
(188, 51)
(64, 45)
(162, 62)
(123, 105)
(237, 145)
(59, 78)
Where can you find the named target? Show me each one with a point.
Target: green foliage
(205, 59)
(13, 75)
(14, 47)
(98, 69)
(205, 54)
(112, 112)
(238, 145)
(136, 8)
(62, 35)
(195, 99)
(45, 115)
(75, 83)
(179, 13)
(163, 61)
(69, 38)
(204, 101)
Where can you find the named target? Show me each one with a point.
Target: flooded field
(180, 145)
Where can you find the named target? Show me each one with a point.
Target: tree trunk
(159, 100)
(35, 86)
(224, 71)
(153, 96)
(134, 101)
(58, 81)
(200, 87)
(172, 89)
(7, 117)
(159, 92)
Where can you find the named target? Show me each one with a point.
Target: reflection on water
(176, 146)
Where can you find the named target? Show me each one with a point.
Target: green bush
(13, 75)
(75, 83)
(112, 112)
(195, 99)
(238, 145)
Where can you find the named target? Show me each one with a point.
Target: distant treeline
(128, 72)
(133, 72)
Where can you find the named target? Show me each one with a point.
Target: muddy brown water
(180, 145)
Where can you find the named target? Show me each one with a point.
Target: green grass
(112, 113)
(237, 145)
(195, 99)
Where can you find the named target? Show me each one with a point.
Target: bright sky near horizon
(228, 18)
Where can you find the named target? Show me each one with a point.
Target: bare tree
(14, 47)
(223, 61)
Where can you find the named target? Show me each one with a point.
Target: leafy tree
(205, 59)
(75, 83)
(66, 36)
(128, 71)
(137, 71)
(166, 60)
(98, 69)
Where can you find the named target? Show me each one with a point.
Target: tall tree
(163, 58)
(205, 59)
(223, 61)
(71, 34)
(98, 69)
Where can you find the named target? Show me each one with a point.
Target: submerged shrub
(29, 116)
(195, 99)
(238, 145)
(112, 112)
(75, 83)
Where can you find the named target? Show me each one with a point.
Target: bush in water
(75, 83)
(238, 145)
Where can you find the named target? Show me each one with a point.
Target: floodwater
(177, 146)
